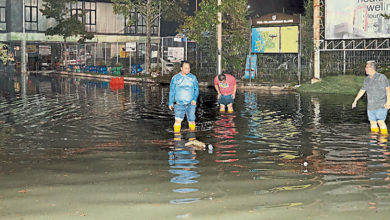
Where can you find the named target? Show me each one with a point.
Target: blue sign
(253, 66)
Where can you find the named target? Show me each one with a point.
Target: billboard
(275, 39)
(175, 54)
(356, 19)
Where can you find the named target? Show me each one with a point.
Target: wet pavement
(73, 148)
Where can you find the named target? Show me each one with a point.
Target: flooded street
(73, 148)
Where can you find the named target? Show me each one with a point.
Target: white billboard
(175, 54)
(356, 19)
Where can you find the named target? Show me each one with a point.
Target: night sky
(258, 7)
(263, 7)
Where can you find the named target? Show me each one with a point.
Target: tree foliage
(307, 31)
(202, 27)
(150, 10)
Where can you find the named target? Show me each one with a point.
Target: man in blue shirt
(183, 94)
(378, 98)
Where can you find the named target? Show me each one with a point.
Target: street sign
(131, 47)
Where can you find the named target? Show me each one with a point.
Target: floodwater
(73, 148)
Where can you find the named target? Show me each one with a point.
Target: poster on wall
(289, 39)
(265, 40)
(356, 19)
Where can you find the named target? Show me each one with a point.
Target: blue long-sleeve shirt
(183, 89)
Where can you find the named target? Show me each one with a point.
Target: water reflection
(183, 163)
(224, 131)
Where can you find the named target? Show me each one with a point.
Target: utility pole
(316, 18)
(219, 36)
(23, 43)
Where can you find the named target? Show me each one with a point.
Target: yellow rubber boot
(192, 126)
(222, 110)
(230, 110)
(375, 130)
(384, 131)
(176, 128)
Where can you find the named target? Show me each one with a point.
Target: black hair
(221, 77)
(183, 62)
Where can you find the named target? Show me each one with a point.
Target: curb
(240, 84)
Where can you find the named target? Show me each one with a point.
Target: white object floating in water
(305, 164)
(210, 148)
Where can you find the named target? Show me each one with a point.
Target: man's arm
(172, 91)
(219, 92)
(235, 90)
(358, 96)
(196, 92)
(387, 104)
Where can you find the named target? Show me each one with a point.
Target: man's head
(221, 77)
(185, 67)
(371, 67)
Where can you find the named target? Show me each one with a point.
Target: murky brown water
(75, 149)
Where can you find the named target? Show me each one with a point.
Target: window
(3, 25)
(31, 19)
(139, 25)
(89, 16)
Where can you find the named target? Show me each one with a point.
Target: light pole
(23, 43)
(250, 48)
(219, 36)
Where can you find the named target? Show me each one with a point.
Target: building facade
(110, 30)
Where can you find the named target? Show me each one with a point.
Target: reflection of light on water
(185, 190)
(183, 201)
(185, 176)
(225, 130)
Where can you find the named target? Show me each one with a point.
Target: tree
(235, 26)
(150, 10)
(67, 25)
(308, 35)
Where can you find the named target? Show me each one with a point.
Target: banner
(356, 19)
(253, 66)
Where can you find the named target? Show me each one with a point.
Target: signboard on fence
(175, 54)
(131, 47)
(122, 51)
(31, 48)
(44, 50)
(275, 39)
(356, 19)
